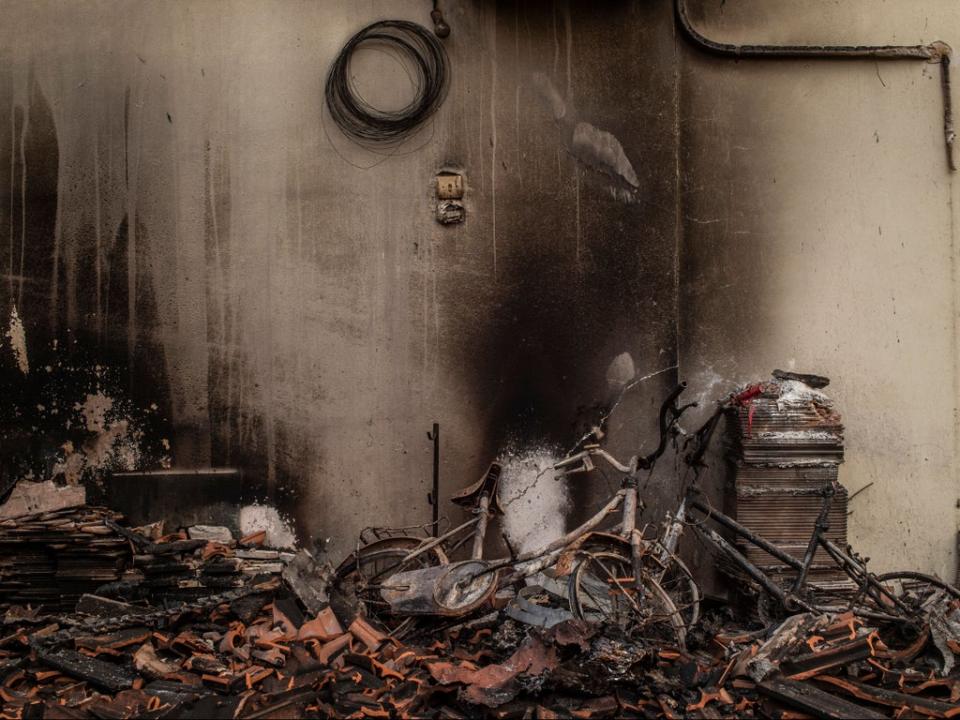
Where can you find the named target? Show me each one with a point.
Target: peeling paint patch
(74, 421)
(18, 341)
(94, 410)
(112, 446)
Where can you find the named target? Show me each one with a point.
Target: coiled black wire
(426, 62)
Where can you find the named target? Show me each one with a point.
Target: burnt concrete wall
(177, 208)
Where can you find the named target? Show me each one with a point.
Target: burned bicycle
(608, 577)
(901, 596)
(626, 575)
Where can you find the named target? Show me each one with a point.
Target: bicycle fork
(483, 517)
(629, 529)
(671, 538)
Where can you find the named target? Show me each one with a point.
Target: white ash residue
(794, 392)
(256, 517)
(709, 386)
(535, 504)
(18, 341)
(800, 435)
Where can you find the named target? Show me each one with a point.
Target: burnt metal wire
(426, 63)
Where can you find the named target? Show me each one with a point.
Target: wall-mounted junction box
(449, 186)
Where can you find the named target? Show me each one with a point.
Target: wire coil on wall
(426, 63)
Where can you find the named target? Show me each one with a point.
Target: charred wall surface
(181, 218)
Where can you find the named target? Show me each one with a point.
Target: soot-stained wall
(178, 211)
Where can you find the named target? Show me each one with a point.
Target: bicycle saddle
(470, 496)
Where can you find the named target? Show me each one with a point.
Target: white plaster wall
(820, 233)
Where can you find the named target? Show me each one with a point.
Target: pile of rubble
(256, 654)
(197, 624)
(194, 563)
(51, 558)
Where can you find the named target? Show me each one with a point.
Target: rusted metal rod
(935, 52)
(587, 526)
(747, 533)
(438, 540)
(533, 561)
(820, 529)
(483, 516)
(435, 493)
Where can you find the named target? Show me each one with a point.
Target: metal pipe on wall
(935, 52)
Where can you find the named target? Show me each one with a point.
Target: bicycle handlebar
(667, 419)
(704, 433)
(582, 459)
(667, 408)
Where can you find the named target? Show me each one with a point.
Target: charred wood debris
(219, 628)
(102, 620)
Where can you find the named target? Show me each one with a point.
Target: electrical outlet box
(449, 186)
(450, 212)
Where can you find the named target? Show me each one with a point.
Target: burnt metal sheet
(814, 701)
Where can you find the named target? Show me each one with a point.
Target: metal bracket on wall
(935, 52)
(440, 26)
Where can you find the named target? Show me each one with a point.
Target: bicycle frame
(531, 562)
(795, 596)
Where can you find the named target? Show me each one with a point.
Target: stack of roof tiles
(788, 445)
(52, 558)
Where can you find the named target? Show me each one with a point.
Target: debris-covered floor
(213, 626)
(102, 619)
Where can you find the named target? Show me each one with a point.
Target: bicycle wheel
(674, 577)
(915, 590)
(602, 590)
(677, 580)
(356, 584)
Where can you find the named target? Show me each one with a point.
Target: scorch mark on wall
(273, 351)
(107, 432)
